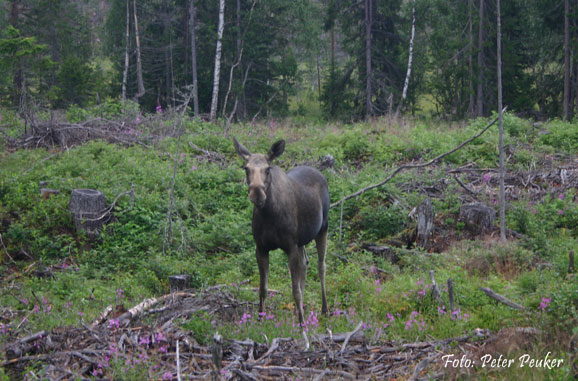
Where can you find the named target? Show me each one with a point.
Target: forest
(447, 131)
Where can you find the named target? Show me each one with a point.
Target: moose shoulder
(289, 210)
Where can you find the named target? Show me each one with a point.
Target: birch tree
(193, 36)
(409, 61)
(139, 78)
(215, 97)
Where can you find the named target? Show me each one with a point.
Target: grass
(212, 242)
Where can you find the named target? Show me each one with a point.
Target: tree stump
(477, 217)
(179, 282)
(89, 211)
(425, 223)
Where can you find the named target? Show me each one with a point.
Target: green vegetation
(211, 237)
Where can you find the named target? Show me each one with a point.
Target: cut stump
(89, 211)
(179, 282)
(477, 217)
(425, 223)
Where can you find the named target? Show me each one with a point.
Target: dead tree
(216, 75)
(501, 128)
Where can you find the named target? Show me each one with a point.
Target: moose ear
(276, 150)
(241, 150)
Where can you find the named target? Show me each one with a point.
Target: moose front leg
(298, 268)
(263, 263)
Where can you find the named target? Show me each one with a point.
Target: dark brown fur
(290, 210)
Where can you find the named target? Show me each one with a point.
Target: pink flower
(561, 196)
(159, 109)
(560, 212)
(113, 324)
(486, 178)
(544, 304)
(245, 319)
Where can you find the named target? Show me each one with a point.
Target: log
(89, 211)
(501, 299)
(425, 223)
(477, 217)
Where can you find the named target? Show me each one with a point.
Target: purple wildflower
(544, 304)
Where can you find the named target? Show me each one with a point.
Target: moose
(289, 211)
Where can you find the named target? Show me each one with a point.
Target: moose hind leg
(297, 267)
(263, 263)
(321, 243)
(305, 259)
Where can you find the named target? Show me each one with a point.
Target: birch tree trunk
(140, 83)
(368, 91)
(480, 90)
(215, 98)
(409, 61)
(566, 100)
(193, 25)
(501, 127)
(126, 56)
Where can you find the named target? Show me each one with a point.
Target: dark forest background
(278, 57)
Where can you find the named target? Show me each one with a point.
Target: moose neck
(278, 186)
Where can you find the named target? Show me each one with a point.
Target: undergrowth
(211, 234)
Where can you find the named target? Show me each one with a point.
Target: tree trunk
(472, 102)
(566, 100)
(409, 61)
(140, 82)
(126, 55)
(501, 127)
(480, 90)
(18, 79)
(368, 92)
(193, 24)
(215, 98)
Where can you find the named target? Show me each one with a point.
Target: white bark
(409, 62)
(140, 83)
(215, 98)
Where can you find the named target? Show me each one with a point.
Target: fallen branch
(137, 310)
(501, 299)
(413, 166)
(348, 337)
